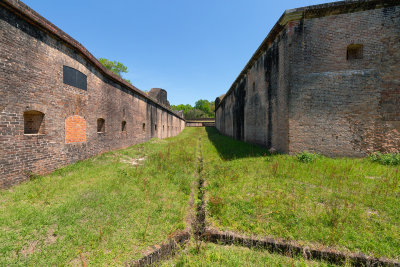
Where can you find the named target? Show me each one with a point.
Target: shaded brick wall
(256, 110)
(31, 78)
(300, 92)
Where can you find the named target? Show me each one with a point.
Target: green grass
(350, 204)
(307, 157)
(101, 211)
(385, 159)
(217, 255)
(105, 211)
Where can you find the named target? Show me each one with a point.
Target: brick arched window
(144, 127)
(101, 125)
(33, 122)
(123, 126)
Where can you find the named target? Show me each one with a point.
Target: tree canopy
(202, 109)
(115, 66)
(203, 105)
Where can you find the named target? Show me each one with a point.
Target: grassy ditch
(101, 211)
(216, 255)
(350, 204)
(109, 209)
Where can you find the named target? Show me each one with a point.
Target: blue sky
(193, 49)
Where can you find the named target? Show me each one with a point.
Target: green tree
(195, 114)
(115, 66)
(203, 105)
(202, 109)
(212, 106)
(184, 108)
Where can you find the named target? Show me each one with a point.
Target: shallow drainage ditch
(200, 232)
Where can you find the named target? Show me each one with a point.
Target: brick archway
(75, 129)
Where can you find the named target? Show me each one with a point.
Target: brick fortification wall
(59, 105)
(326, 79)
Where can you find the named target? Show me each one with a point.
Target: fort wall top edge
(308, 12)
(32, 17)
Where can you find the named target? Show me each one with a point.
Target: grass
(307, 157)
(110, 208)
(101, 211)
(350, 204)
(385, 159)
(217, 255)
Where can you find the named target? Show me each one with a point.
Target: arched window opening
(355, 51)
(144, 127)
(123, 126)
(33, 122)
(101, 125)
(155, 127)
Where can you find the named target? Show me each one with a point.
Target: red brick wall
(302, 93)
(75, 129)
(31, 78)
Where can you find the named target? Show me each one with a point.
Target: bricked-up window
(75, 129)
(101, 125)
(123, 126)
(33, 122)
(144, 127)
(355, 51)
(74, 78)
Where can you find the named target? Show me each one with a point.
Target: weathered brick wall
(256, 109)
(337, 104)
(300, 92)
(200, 122)
(31, 78)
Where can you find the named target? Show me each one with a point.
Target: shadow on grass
(229, 148)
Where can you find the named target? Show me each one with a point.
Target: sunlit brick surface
(302, 92)
(75, 129)
(31, 80)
